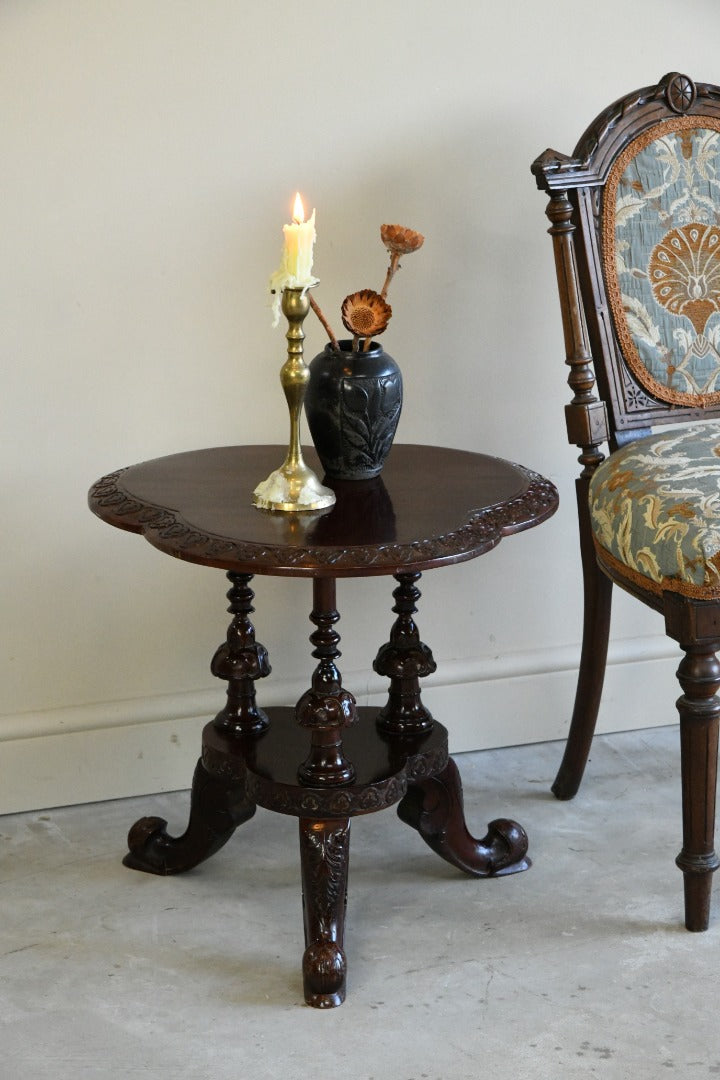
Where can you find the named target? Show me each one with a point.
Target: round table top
(431, 506)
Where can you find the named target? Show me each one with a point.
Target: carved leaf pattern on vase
(381, 400)
(662, 259)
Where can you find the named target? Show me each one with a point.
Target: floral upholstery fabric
(655, 511)
(661, 243)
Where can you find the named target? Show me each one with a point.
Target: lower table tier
(237, 773)
(267, 765)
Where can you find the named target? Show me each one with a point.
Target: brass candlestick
(294, 487)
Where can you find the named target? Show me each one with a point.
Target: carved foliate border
(345, 801)
(166, 528)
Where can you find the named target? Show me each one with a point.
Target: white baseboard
(118, 749)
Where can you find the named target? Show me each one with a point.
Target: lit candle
(295, 270)
(299, 240)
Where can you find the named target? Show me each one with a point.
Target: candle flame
(298, 210)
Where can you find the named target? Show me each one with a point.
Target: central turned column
(325, 709)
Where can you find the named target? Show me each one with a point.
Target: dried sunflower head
(399, 240)
(365, 313)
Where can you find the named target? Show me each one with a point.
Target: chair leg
(699, 708)
(597, 589)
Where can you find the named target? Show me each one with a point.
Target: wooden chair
(635, 224)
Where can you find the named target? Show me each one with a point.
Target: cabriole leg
(433, 806)
(217, 804)
(217, 807)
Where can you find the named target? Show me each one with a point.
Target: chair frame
(609, 406)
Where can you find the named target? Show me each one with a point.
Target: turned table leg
(433, 804)
(404, 660)
(241, 660)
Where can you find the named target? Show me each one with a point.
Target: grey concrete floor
(579, 968)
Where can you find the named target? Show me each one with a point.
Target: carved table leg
(324, 855)
(217, 807)
(325, 710)
(434, 806)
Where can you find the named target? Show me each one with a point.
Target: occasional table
(326, 760)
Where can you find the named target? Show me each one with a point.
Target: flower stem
(325, 324)
(394, 265)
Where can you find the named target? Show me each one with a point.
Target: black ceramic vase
(353, 403)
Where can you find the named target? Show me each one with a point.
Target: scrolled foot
(216, 810)
(506, 844)
(148, 833)
(433, 806)
(324, 973)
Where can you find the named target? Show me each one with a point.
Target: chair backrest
(635, 222)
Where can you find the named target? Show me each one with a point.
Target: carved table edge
(166, 529)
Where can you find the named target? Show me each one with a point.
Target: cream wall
(150, 150)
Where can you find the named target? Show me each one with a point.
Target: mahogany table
(326, 760)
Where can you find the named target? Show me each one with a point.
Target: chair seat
(655, 510)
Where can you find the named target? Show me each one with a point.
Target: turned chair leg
(593, 658)
(699, 708)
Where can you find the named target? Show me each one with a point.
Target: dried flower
(399, 240)
(365, 314)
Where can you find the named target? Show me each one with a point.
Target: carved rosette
(680, 93)
(348, 801)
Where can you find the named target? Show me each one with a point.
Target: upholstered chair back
(637, 212)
